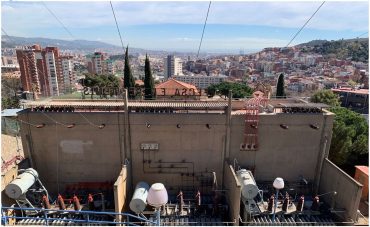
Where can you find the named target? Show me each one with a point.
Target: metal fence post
(46, 218)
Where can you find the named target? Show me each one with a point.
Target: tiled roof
(172, 83)
(354, 91)
(148, 104)
(175, 88)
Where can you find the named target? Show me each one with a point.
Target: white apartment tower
(172, 66)
(201, 81)
(52, 72)
(68, 73)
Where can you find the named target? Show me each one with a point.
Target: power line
(115, 19)
(55, 16)
(362, 34)
(204, 27)
(296, 34)
(56, 122)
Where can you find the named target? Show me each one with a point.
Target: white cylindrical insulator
(157, 195)
(21, 184)
(138, 201)
(249, 186)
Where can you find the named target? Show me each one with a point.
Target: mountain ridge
(73, 45)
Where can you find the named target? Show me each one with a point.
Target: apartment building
(43, 71)
(201, 81)
(172, 66)
(98, 63)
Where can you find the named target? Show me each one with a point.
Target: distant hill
(322, 41)
(74, 45)
(354, 49)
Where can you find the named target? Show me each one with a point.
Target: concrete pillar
(127, 139)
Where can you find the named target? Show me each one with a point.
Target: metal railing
(278, 222)
(84, 217)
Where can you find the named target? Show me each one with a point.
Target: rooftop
(353, 91)
(10, 112)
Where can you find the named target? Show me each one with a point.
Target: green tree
(148, 80)
(10, 102)
(349, 145)
(325, 96)
(238, 90)
(101, 81)
(280, 92)
(9, 96)
(128, 80)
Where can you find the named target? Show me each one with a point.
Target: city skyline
(177, 26)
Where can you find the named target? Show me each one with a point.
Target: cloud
(185, 39)
(174, 25)
(332, 16)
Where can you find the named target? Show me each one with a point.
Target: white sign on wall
(149, 146)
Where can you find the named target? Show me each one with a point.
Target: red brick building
(176, 89)
(362, 176)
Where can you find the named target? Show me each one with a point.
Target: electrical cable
(204, 27)
(27, 123)
(55, 16)
(304, 25)
(89, 121)
(115, 19)
(56, 122)
(362, 34)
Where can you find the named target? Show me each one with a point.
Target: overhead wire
(60, 22)
(304, 25)
(362, 34)
(204, 27)
(56, 122)
(115, 19)
(88, 120)
(24, 122)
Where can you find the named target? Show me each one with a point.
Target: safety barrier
(70, 217)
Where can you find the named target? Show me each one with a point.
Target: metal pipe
(158, 216)
(102, 202)
(275, 205)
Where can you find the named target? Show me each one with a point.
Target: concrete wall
(193, 148)
(233, 193)
(348, 190)
(120, 192)
(11, 146)
(287, 153)
(84, 153)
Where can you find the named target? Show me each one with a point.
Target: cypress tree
(148, 80)
(128, 80)
(280, 93)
